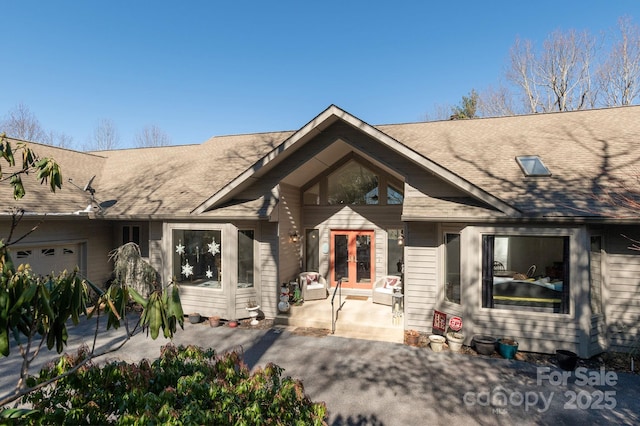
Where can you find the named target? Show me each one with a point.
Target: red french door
(352, 258)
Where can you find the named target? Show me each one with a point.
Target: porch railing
(334, 312)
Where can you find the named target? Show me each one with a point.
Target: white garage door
(49, 258)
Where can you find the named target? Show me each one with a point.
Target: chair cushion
(390, 283)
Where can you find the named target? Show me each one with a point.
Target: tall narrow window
(395, 252)
(312, 250)
(452, 268)
(595, 274)
(246, 262)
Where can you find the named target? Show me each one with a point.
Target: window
(532, 165)
(23, 254)
(395, 248)
(197, 257)
(312, 195)
(352, 184)
(246, 262)
(528, 273)
(394, 195)
(452, 268)
(595, 274)
(131, 234)
(354, 181)
(312, 250)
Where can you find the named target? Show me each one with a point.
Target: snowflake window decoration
(180, 248)
(214, 248)
(187, 270)
(209, 272)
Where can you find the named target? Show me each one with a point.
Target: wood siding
(269, 278)
(421, 276)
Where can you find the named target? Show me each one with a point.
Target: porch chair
(313, 286)
(384, 287)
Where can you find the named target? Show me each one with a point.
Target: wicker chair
(313, 285)
(384, 287)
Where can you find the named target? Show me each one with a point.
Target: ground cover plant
(185, 385)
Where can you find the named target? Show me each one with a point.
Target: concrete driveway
(378, 383)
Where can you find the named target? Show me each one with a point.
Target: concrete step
(358, 318)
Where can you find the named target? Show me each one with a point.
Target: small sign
(455, 323)
(439, 320)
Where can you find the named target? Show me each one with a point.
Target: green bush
(185, 385)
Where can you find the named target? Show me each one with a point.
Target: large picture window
(528, 273)
(197, 257)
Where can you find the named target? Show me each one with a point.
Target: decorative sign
(439, 320)
(455, 323)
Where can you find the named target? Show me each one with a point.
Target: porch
(359, 318)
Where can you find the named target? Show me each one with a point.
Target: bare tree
(559, 77)
(59, 139)
(105, 137)
(21, 123)
(152, 135)
(496, 102)
(619, 74)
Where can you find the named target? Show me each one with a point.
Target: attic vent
(532, 165)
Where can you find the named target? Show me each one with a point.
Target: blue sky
(202, 68)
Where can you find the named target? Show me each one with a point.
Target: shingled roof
(586, 152)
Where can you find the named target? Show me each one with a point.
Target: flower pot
(455, 340)
(214, 321)
(412, 338)
(507, 348)
(567, 360)
(253, 313)
(232, 323)
(484, 345)
(194, 318)
(436, 342)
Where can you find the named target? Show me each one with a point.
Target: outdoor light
(293, 237)
(401, 238)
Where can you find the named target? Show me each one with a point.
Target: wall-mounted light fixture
(401, 238)
(294, 237)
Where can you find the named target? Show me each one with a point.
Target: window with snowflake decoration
(197, 257)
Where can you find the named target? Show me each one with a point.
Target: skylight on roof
(532, 165)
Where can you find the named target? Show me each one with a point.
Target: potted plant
(194, 318)
(253, 307)
(412, 337)
(484, 345)
(455, 339)
(214, 321)
(507, 347)
(567, 360)
(436, 342)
